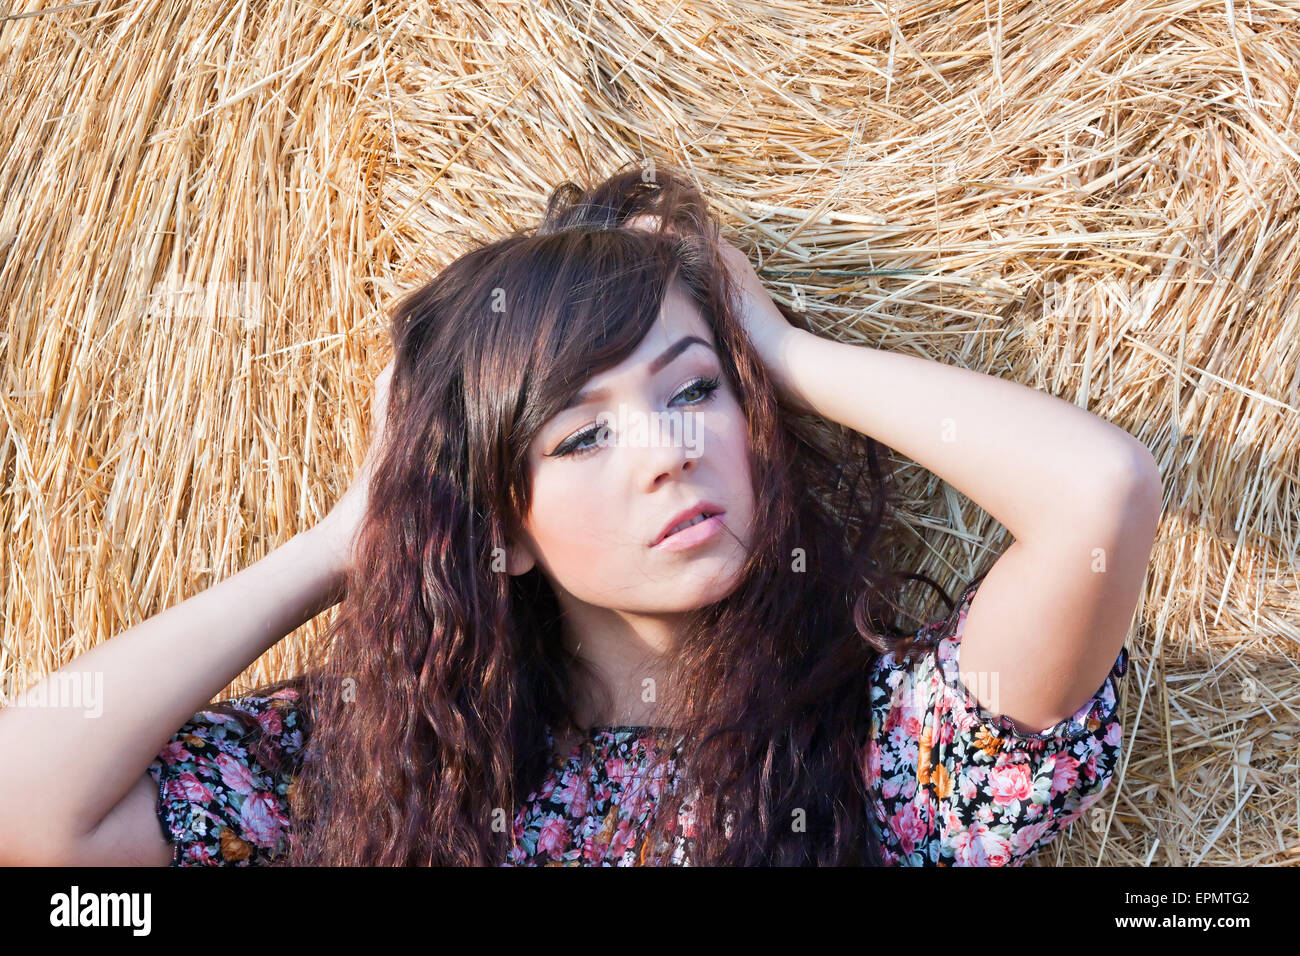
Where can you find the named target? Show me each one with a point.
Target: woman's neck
(622, 679)
(621, 702)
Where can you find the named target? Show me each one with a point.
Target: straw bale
(205, 208)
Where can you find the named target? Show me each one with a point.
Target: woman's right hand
(338, 528)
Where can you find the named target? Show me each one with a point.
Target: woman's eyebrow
(670, 353)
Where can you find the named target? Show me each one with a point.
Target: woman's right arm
(83, 762)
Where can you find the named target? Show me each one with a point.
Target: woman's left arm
(1081, 496)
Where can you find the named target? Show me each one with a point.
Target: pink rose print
(574, 795)
(622, 838)
(980, 846)
(1010, 783)
(261, 820)
(235, 774)
(909, 826)
(1025, 838)
(174, 751)
(198, 854)
(615, 769)
(548, 788)
(967, 787)
(890, 788)
(188, 787)
(554, 837)
(270, 721)
(1065, 773)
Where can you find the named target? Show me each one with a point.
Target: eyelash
(570, 447)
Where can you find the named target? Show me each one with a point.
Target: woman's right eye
(573, 448)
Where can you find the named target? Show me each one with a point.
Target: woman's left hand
(766, 327)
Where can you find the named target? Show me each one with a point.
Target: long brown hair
(429, 705)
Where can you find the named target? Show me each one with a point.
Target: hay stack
(204, 209)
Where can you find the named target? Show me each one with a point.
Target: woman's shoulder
(959, 784)
(225, 778)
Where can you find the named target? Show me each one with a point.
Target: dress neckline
(599, 733)
(597, 728)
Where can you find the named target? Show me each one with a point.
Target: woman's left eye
(705, 385)
(574, 447)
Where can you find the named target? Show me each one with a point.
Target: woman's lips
(707, 508)
(696, 534)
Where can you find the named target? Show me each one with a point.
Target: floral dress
(957, 785)
(951, 783)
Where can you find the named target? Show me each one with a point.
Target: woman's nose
(675, 446)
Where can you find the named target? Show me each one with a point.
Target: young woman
(611, 600)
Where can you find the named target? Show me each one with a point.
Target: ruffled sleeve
(954, 784)
(225, 778)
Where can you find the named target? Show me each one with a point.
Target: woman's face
(668, 443)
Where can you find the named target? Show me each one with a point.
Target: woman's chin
(704, 584)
